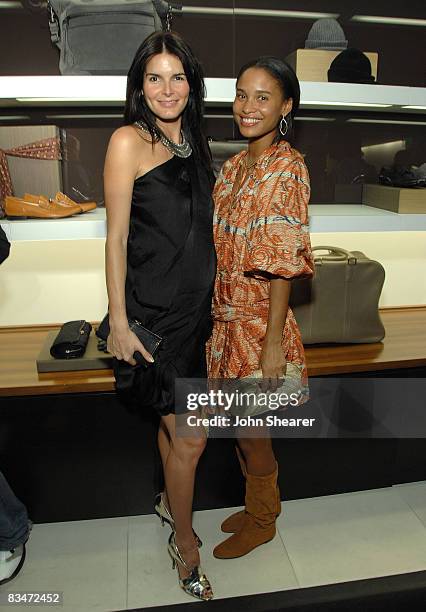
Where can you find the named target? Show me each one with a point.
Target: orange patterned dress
(264, 230)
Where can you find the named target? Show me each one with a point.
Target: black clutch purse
(71, 340)
(149, 339)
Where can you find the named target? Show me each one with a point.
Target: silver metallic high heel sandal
(165, 517)
(196, 584)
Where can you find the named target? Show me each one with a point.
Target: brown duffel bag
(340, 303)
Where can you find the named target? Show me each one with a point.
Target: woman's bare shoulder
(128, 137)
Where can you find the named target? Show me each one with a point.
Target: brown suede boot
(234, 522)
(258, 526)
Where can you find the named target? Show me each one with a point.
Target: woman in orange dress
(262, 243)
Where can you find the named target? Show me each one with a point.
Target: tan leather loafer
(44, 202)
(20, 208)
(61, 198)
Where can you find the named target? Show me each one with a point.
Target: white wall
(402, 254)
(61, 280)
(52, 282)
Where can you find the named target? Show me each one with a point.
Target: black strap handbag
(71, 341)
(149, 339)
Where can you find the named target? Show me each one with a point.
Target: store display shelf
(323, 218)
(361, 218)
(79, 227)
(18, 91)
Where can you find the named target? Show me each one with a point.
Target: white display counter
(323, 218)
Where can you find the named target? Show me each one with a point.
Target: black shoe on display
(420, 172)
(408, 176)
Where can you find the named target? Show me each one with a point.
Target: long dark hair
(286, 79)
(136, 108)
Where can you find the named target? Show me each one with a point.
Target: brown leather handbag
(340, 303)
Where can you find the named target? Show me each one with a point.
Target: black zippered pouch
(149, 339)
(71, 341)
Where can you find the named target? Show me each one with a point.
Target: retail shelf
(18, 91)
(323, 218)
(361, 218)
(91, 224)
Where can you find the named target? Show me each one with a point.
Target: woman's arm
(279, 249)
(272, 358)
(121, 168)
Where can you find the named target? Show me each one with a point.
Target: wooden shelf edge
(37, 327)
(402, 308)
(36, 390)
(365, 367)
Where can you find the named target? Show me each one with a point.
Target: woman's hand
(122, 342)
(273, 364)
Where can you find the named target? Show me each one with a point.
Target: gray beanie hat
(326, 34)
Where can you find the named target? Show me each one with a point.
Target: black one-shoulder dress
(171, 265)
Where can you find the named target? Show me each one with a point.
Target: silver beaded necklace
(180, 150)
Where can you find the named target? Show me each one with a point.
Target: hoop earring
(281, 126)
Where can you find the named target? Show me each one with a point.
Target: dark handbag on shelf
(341, 303)
(149, 339)
(71, 341)
(102, 36)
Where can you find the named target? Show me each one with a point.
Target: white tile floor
(114, 564)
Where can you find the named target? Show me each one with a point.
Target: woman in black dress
(160, 264)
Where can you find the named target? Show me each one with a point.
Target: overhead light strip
(385, 121)
(315, 119)
(10, 5)
(248, 12)
(210, 116)
(284, 14)
(13, 117)
(99, 116)
(415, 107)
(303, 102)
(69, 99)
(389, 20)
(343, 103)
